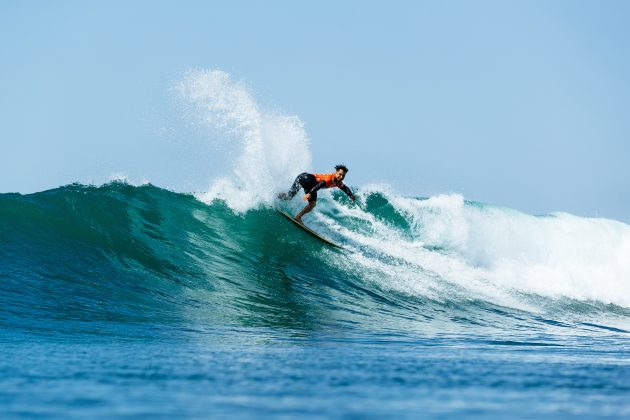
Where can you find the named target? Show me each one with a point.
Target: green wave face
(112, 259)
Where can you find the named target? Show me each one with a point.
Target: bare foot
(299, 220)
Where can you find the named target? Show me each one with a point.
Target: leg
(294, 188)
(310, 206)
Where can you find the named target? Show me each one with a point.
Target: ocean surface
(133, 300)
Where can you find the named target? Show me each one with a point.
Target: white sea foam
(497, 254)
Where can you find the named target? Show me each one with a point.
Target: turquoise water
(126, 300)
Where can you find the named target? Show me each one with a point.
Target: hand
(353, 199)
(307, 197)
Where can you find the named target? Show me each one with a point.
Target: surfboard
(309, 230)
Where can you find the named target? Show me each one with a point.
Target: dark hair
(343, 167)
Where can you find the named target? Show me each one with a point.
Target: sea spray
(273, 147)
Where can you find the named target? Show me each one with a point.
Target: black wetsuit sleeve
(345, 189)
(317, 187)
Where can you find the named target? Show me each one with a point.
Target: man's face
(340, 175)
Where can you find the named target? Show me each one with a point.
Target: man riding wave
(313, 183)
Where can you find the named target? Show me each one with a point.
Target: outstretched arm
(345, 189)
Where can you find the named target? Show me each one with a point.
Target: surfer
(314, 182)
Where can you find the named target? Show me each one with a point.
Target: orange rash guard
(328, 181)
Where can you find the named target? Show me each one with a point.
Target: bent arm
(317, 187)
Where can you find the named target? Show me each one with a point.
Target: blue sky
(520, 104)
